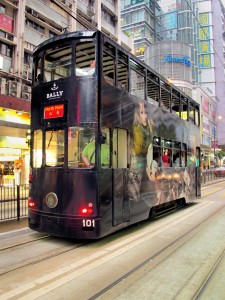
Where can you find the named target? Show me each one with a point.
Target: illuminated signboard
(54, 111)
(182, 60)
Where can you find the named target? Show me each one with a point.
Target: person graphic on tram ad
(153, 167)
(88, 154)
(141, 137)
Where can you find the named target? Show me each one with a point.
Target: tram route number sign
(88, 223)
(54, 111)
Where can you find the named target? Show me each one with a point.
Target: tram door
(121, 209)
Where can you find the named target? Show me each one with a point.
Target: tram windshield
(59, 62)
(79, 138)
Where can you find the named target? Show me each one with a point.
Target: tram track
(77, 262)
(42, 258)
(23, 243)
(162, 252)
(208, 282)
(33, 243)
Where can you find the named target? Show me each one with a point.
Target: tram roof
(68, 35)
(92, 34)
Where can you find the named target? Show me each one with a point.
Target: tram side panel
(171, 183)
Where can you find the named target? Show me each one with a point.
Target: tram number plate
(88, 223)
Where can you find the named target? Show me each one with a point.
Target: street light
(214, 145)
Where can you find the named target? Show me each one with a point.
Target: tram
(112, 142)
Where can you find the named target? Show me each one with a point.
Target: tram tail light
(31, 177)
(31, 202)
(87, 210)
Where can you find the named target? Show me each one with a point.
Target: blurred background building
(183, 40)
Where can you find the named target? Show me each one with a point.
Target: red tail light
(31, 177)
(31, 202)
(87, 210)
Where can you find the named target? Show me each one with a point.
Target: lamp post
(214, 145)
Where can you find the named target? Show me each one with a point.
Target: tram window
(166, 153)
(184, 109)
(176, 154)
(37, 149)
(122, 71)
(122, 57)
(122, 75)
(155, 155)
(156, 141)
(57, 63)
(165, 96)
(85, 59)
(152, 88)
(54, 148)
(137, 83)
(191, 113)
(37, 71)
(109, 68)
(183, 155)
(198, 154)
(105, 148)
(110, 49)
(120, 142)
(190, 159)
(78, 139)
(197, 122)
(175, 105)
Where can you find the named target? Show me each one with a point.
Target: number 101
(88, 223)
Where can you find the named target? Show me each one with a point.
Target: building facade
(199, 25)
(23, 25)
(138, 20)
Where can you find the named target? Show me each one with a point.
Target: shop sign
(182, 60)
(6, 23)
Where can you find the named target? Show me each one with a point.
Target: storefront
(14, 139)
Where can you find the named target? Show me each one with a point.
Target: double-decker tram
(112, 142)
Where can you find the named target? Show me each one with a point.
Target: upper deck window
(57, 63)
(85, 59)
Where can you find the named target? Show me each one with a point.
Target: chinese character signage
(54, 111)
(6, 23)
(204, 37)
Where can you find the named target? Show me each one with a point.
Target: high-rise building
(139, 22)
(186, 47)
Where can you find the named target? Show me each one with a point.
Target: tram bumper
(76, 227)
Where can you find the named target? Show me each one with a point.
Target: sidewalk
(209, 182)
(10, 225)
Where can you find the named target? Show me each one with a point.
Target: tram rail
(75, 265)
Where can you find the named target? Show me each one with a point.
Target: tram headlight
(51, 200)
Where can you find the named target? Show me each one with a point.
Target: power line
(61, 6)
